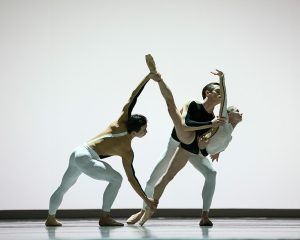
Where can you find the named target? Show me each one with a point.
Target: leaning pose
(91, 158)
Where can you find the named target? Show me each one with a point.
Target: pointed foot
(147, 214)
(135, 217)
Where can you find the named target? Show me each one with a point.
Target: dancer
(88, 159)
(218, 143)
(189, 122)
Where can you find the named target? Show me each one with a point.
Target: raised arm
(127, 109)
(127, 161)
(223, 105)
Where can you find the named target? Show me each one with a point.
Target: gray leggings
(202, 164)
(85, 160)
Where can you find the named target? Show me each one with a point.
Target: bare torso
(112, 141)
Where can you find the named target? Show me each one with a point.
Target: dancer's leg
(161, 167)
(100, 170)
(186, 137)
(203, 165)
(156, 174)
(178, 161)
(69, 179)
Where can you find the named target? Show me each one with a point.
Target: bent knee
(117, 178)
(212, 173)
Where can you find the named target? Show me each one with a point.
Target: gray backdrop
(68, 67)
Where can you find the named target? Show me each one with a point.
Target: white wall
(67, 68)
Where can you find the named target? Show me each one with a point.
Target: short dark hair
(209, 87)
(135, 122)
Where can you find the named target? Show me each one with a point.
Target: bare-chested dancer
(89, 159)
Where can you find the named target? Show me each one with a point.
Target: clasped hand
(152, 203)
(155, 76)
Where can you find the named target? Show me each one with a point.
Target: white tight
(85, 160)
(202, 164)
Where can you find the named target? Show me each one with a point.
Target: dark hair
(135, 122)
(209, 87)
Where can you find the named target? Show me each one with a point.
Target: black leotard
(196, 116)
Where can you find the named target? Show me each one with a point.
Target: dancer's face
(142, 132)
(215, 95)
(235, 116)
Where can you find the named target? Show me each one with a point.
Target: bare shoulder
(118, 126)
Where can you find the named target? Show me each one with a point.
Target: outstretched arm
(127, 161)
(223, 105)
(127, 109)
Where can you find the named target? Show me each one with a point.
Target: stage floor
(156, 228)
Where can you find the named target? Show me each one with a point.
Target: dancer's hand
(152, 203)
(218, 73)
(155, 76)
(202, 142)
(218, 121)
(214, 157)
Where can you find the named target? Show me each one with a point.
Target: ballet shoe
(107, 221)
(205, 222)
(134, 218)
(151, 64)
(147, 214)
(52, 222)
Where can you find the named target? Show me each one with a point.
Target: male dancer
(115, 140)
(181, 156)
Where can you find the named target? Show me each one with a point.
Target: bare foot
(147, 214)
(135, 217)
(107, 220)
(52, 221)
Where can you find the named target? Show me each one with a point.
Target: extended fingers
(218, 72)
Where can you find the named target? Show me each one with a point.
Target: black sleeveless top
(196, 116)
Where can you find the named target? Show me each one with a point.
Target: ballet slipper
(106, 220)
(151, 64)
(135, 217)
(205, 222)
(52, 221)
(147, 214)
